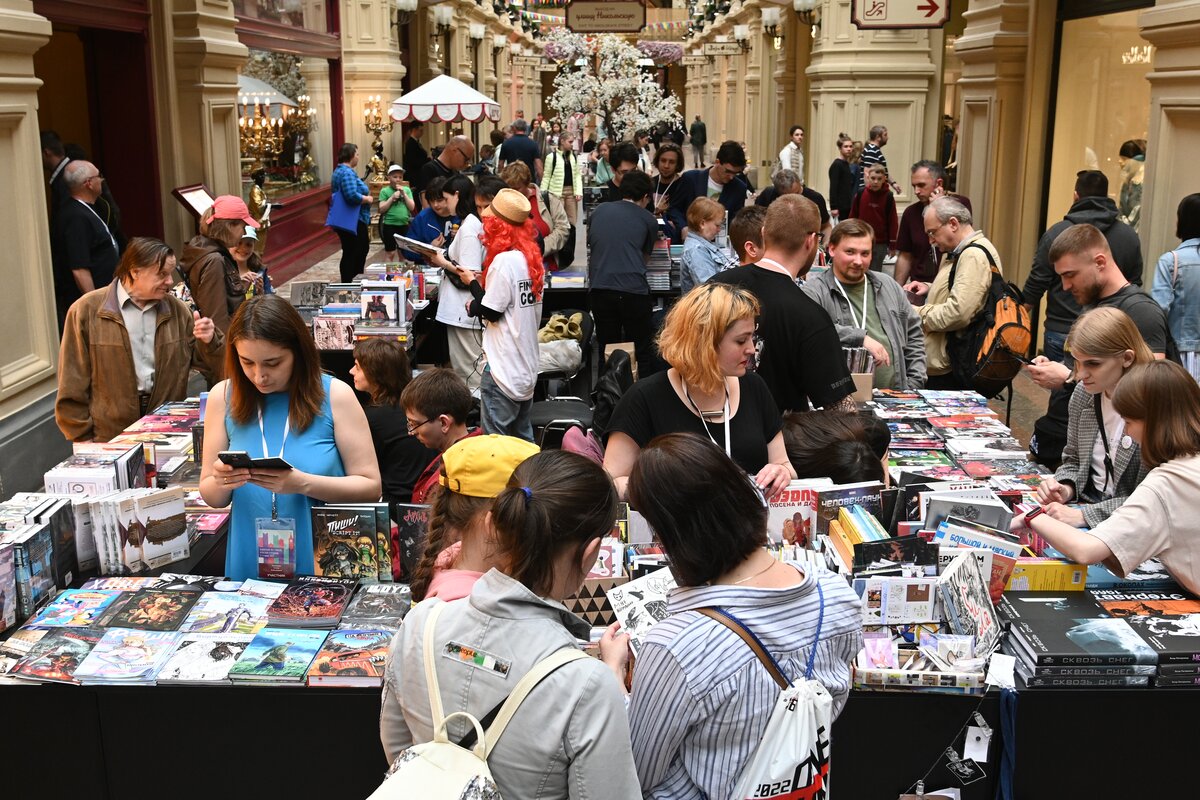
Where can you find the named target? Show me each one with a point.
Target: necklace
(755, 575)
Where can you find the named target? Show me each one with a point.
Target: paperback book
(792, 514)
(351, 657)
(57, 655)
(968, 604)
(204, 658)
(278, 655)
(380, 605)
(344, 543)
(412, 527)
(74, 608)
(830, 501)
(150, 610)
(1069, 629)
(227, 612)
(127, 657)
(311, 601)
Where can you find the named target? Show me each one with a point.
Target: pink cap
(229, 207)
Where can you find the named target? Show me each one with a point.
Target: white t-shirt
(1158, 520)
(1114, 428)
(466, 250)
(511, 342)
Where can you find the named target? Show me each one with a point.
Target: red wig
(501, 236)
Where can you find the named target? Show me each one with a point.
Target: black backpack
(988, 353)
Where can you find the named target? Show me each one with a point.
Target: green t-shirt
(398, 214)
(884, 376)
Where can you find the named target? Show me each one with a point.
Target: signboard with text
(527, 61)
(722, 49)
(693, 61)
(899, 14)
(606, 16)
(548, 67)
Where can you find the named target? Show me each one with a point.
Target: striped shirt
(871, 154)
(701, 698)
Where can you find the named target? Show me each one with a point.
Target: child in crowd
(436, 405)
(251, 271)
(876, 205)
(396, 207)
(435, 224)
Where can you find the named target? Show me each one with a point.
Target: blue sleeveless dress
(313, 450)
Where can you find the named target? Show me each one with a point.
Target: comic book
(127, 657)
(150, 609)
(378, 606)
(640, 603)
(311, 601)
(967, 603)
(278, 655)
(227, 612)
(412, 526)
(119, 583)
(260, 588)
(351, 657)
(74, 608)
(179, 581)
(204, 658)
(57, 655)
(896, 600)
(383, 536)
(1069, 629)
(344, 543)
(33, 565)
(22, 641)
(791, 516)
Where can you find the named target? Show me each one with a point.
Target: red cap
(229, 207)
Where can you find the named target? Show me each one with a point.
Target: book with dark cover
(831, 500)
(1177, 681)
(894, 552)
(310, 601)
(378, 606)
(412, 529)
(1070, 629)
(1180, 669)
(1061, 682)
(344, 542)
(57, 655)
(150, 609)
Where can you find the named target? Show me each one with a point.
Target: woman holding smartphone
(277, 403)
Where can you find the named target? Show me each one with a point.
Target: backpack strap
(987, 254)
(431, 681)
(532, 678)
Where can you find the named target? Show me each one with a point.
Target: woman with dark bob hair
(701, 698)
(1160, 403)
(276, 402)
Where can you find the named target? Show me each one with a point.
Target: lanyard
(704, 422)
(866, 288)
(61, 166)
(111, 240)
(774, 266)
(287, 429)
(1109, 470)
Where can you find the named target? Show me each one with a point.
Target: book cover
(227, 612)
(895, 553)
(968, 603)
(334, 332)
(181, 581)
(895, 600)
(57, 655)
(640, 603)
(351, 657)
(344, 543)
(979, 505)
(831, 499)
(792, 514)
(74, 608)
(154, 423)
(841, 546)
(412, 527)
(1177, 681)
(121, 583)
(33, 565)
(204, 658)
(8, 586)
(162, 525)
(311, 601)
(1064, 682)
(278, 655)
(126, 656)
(152, 610)
(378, 606)
(260, 588)
(1070, 629)
(1046, 575)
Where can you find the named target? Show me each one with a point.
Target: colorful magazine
(74, 608)
(150, 609)
(278, 655)
(227, 612)
(351, 657)
(59, 653)
(126, 656)
(204, 658)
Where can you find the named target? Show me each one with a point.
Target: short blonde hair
(1106, 333)
(702, 210)
(695, 326)
(877, 169)
(516, 175)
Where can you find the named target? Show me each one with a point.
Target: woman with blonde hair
(1160, 405)
(708, 340)
(1101, 465)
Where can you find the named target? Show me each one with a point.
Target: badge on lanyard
(276, 547)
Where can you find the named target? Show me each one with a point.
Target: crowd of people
(744, 382)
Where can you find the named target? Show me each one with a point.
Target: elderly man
(869, 309)
(129, 346)
(788, 181)
(85, 249)
(916, 258)
(457, 155)
(970, 257)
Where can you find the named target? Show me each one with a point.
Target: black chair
(550, 383)
(553, 418)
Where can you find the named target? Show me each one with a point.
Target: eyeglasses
(413, 428)
(930, 233)
(96, 177)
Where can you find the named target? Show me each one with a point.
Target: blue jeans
(502, 414)
(1054, 348)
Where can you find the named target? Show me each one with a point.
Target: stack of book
(311, 602)
(658, 268)
(139, 529)
(378, 306)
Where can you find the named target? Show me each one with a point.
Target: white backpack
(442, 769)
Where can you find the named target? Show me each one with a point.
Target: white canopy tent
(444, 99)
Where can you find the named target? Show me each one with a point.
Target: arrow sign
(899, 14)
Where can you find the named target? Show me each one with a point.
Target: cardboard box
(628, 348)
(864, 383)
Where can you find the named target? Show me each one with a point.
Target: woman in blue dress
(276, 402)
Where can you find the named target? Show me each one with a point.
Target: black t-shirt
(82, 241)
(770, 195)
(1146, 314)
(521, 148)
(432, 169)
(799, 355)
(651, 408)
(401, 455)
(621, 235)
(415, 157)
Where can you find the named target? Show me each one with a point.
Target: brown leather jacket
(97, 386)
(212, 278)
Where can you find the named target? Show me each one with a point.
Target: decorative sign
(548, 67)
(526, 61)
(693, 61)
(899, 14)
(722, 49)
(606, 16)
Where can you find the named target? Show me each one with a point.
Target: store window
(309, 15)
(282, 132)
(1101, 111)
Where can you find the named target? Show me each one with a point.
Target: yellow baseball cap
(480, 466)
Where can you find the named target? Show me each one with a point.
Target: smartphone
(240, 459)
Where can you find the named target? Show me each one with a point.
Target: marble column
(371, 66)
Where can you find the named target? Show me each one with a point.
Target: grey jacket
(900, 321)
(1076, 466)
(570, 738)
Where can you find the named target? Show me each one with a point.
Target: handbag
(792, 758)
(342, 215)
(443, 769)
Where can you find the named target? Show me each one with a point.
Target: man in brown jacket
(130, 346)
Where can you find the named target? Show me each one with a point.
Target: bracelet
(1030, 515)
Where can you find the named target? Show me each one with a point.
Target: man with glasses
(949, 308)
(436, 403)
(622, 160)
(916, 258)
(85, 249)
(456, 156)
(723, 181)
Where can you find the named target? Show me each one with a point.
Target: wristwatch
(1029, 515)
